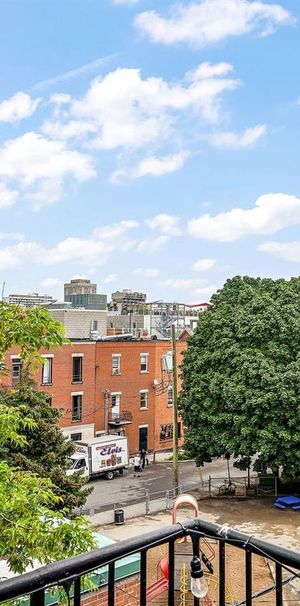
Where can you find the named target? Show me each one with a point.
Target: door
(143, 438)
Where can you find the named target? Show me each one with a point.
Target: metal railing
(151, 502)
(124, 416)
(69, 573)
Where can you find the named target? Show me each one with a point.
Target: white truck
(102, 456)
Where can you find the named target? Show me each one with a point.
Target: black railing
(69, 573)
(120, 417)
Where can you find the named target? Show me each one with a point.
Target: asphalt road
(156, 478)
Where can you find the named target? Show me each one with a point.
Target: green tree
(46, 451)
(31, 329)
(241, 376)
(29, 528)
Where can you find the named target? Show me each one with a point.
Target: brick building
(110, 386)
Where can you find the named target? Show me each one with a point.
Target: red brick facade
(127, 592)
(140, 387)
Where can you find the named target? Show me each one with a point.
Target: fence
(69, 574)
(213, 487)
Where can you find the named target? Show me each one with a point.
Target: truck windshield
(77, 463)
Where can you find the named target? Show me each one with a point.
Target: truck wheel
(121, 471)
(109, 475)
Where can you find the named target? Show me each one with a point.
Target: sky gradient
(148, 145)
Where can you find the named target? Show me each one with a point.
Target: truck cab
(78, 462)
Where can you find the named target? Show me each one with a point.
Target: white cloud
(204, 264)
(152, 245)
(210, 21)
(123, 110)
(289, 251)
(153, 166)
(208, 70)
(93, 251)
(110, 278)
(271, 213)
(50, 283)
(241, 140)
(74, 129)
(18, 236)
(18, 107)
(39, 166)
(115, 230)
(167, 224)
(147, 273)
(7, 196)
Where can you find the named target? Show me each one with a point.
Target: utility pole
(175, 410)
(106, 409)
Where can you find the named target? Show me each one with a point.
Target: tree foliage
(31, 329)
(241, 376)
(46, 451)
(30, 530)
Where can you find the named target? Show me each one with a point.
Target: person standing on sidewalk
(143, 457)
(137, 465)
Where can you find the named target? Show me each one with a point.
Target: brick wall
(97, 377)
(132, 381)
(127, 593)
(62, 386)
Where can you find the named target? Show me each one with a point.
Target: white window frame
(76, 393)
(170, 400)
(144, 392)
(47, 380)
(146, 363)
(81, 368)
(16, 360)
(115, 371)
(117, 394)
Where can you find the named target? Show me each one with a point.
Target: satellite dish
(156, 382)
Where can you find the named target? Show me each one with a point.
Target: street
(156, 478)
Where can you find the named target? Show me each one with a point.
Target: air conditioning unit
(94, 335)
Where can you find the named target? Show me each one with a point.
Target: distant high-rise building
(83, 294)
(31, 299)
(79, 286)
(126, 300)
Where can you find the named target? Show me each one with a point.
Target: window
(76, 437)
(170, 396)
(16, 369)
(47, 371)
(115, 405)
(167, 362)
(94, 325)
(116, 364)
(144, 362)
(76, 407)
(166, 431)
(144, 398)
(77, 369)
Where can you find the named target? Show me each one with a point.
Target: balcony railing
(118, 418)
(68, 573)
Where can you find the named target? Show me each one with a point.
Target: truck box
(102, 456)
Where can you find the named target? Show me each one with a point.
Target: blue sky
(148, 145)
